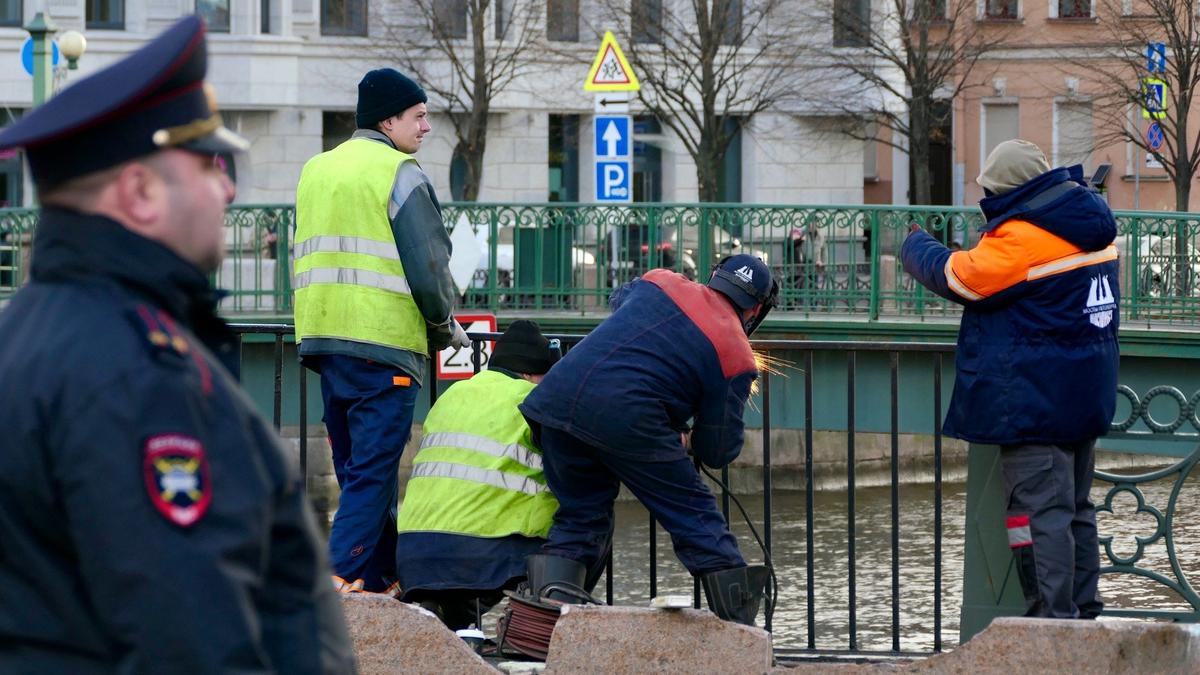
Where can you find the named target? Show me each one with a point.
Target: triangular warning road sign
(610, 71)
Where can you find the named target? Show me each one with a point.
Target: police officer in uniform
(149, 520)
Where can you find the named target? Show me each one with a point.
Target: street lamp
(72, 44)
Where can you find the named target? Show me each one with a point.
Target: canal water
(873, 579)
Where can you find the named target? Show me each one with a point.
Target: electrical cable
(769, 610)
(528, 624)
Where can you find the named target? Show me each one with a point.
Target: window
(10, 175)
(264, 17)
(344, 17)
(728, 14)
(1073, 142)
(336, 128)
(562, 20)
(851, 23)
(563, 158)
(504, 12)
(647, 18)
(450, 18)
(1000, 9)
(647, 160)
(936, 9)
(105, 14)
(10, 13)
(1074, 9)
(729, 184)
(215, 14)
(1001, 122)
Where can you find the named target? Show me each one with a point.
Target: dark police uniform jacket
(148, 519)
(673, 350)
(1037, 348)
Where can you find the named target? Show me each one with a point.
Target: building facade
(285, 73)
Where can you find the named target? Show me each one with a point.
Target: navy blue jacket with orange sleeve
(1037, 348)
(673, 350)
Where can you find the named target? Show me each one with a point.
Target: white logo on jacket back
(746, 274)
(1100, 302)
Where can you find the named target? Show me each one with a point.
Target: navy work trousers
(1052, 527)
(368, 414)
(586, 480)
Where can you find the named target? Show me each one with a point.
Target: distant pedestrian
(1037, 360)
(149, 520)
(374, 298)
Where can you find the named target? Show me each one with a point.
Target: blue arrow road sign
(613, 181)
(1154, 136)
(612, 135)
(1156, 57)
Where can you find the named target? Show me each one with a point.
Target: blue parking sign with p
(613, 182)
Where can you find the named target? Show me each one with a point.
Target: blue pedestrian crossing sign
(613, 182)
(612, 135)
(1154, 95)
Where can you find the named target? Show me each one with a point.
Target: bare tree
(465, 53)
(707, 69)
(914, 55)
(1121, 97)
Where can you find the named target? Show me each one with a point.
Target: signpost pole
(41, 29)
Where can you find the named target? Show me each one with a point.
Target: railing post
(877, 234)
(283, 258)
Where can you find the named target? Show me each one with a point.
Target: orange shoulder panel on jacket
(1003, 258)
(713, 315)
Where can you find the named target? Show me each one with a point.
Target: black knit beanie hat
(523, 349)
(383, 93)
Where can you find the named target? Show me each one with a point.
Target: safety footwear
(734, 594)
(561, 575)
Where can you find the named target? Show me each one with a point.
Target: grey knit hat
(1012, 164)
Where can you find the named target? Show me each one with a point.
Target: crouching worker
(615, 410)
(477, 503)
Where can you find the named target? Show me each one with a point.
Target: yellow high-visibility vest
(349, 282)
(477, 472)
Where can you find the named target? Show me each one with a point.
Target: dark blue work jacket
(1037, 348)
(149, 521)
(671, 351)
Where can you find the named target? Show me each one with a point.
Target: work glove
(458, 336)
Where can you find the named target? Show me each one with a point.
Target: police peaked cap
(153, 99)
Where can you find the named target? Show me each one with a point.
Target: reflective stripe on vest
(349, 280)
(514, 451)
(500, 479)
(477, 472)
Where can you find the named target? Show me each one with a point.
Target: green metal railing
(831, 260)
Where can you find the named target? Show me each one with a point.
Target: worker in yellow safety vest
(477, 503)
(374, 296)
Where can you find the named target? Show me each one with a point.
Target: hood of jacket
(1060, 202)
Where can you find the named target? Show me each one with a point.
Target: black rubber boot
(561, 575)
(734, 594)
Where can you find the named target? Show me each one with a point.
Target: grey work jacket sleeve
(424, 247)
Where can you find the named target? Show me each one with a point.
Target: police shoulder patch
(177, 479)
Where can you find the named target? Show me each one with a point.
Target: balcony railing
(833, 261)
